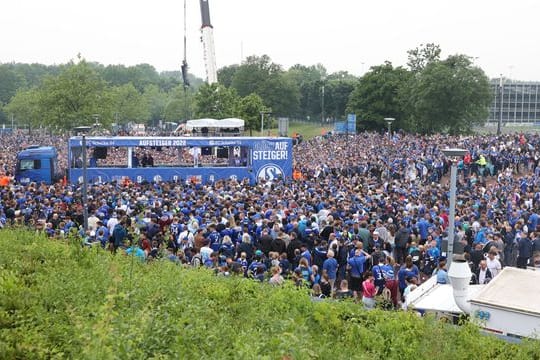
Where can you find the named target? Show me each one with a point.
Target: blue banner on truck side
(264, 159)
(351, 124)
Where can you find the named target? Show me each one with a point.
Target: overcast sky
(349, 35)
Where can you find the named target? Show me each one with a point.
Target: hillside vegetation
(59, 300)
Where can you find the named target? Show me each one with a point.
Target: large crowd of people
(368, 215)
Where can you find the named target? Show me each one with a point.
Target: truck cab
(37, 164)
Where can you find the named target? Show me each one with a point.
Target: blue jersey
(306, 254)
(405, 273)
(330, 265)
(357, 265)
(423, 226)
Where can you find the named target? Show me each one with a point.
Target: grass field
(308, 130)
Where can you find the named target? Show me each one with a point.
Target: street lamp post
(323, 78)
(82, 130)
(453, 154)
(389, 121)
(262, 120)
(501, 89)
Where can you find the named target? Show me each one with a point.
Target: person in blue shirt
(423, 226)
(409, 270)
(330, 267)
(533, 221)
(136, 251)
(306, 272)
(227, 247)
(305, 253)
(481, 235)
(256, 264)
(433, 251)
(356, 269)
(214, 237)
(441, 273)
(102, 234)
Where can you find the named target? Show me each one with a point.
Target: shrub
(59, 300)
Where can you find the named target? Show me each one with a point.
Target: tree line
(428, 95)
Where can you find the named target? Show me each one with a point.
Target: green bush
(59, 300)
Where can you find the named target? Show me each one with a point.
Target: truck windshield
(30, 164)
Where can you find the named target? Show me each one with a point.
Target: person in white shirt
(483, 274)
(112, 222)
(206, 251)
(493, 264)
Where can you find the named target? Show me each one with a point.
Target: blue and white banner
(267, 159)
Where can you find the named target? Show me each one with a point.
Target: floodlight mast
(207, 31)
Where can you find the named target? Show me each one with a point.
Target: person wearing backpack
(196, 260)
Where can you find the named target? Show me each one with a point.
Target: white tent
(212, 125)
(231, 123)
(200, 123)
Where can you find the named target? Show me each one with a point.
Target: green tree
(140, 75)
(175, 111)
(419, 57)
(258, 74)
(25, 107)
(169, 80)
(129, 105)
(375, 97)
(339, 87)
(10, 82)
(447, 96)
(156, 99)
(226, 74)
(215, 101)
(308, 80)
(72, 97)
(249, 109)
(180, 104)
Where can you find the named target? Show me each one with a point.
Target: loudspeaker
(100, 152)
(223, 152)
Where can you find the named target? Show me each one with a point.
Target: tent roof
(513, 289)
(213, 123)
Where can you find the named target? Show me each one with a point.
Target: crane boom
(207, 38)
(184, 68)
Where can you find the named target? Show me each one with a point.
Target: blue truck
(37, 164)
